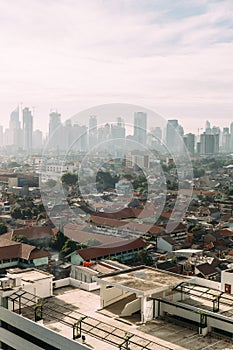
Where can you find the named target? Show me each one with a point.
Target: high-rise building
(189, 141)
(171, 134)
(157, 133)
(14, 119)
(118, 130)
(226, 140)
(104, 133)
(92, 131)
(54, 122)
(140, 127)
(208, 128)
(231, 132)
(37, 140)
(1, 135)
(27, 129)
(209, 144)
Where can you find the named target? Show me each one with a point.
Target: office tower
(209, 144)
(157, 133)
(92, 131)
(37, 142)
(56, 136)
(208, 128)
(27, 129)
(171, 134)
(118, 130)
(54, 122)
(104, 133)
(226, 140)
(15, 131)
(231, 132)
(189, 141)
(14, 119)
(1, 135)
(83, 139)
(140, 127)
(78, 138)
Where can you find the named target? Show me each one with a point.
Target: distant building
(92, 131)
(209, 144)
(37, 139)
(140, 127)
(226, 140)
(189, 141)
(174, 135)
(27, 129)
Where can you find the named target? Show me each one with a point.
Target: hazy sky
(173, 56)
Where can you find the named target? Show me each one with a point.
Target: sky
(174, 57)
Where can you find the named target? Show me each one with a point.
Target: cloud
(174, 55)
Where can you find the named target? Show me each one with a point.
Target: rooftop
(142, 280)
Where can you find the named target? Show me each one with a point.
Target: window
(228, 288)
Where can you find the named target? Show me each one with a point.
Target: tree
(51, 183)
(16, 213)
(3, 228)
(20, 238)
(69, 179)
(69, 247)
(58, 240)
(145, 258)
(40, 216)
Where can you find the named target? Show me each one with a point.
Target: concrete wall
(111, 295)
(227, 278)
(61, 283)
(34, 329)
(42, 288)
(146, 310)
(41, 261)
(207, 283)
(82, 285)
(163, 245)
(75, 283)
(131, 308)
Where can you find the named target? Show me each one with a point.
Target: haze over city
(172, 57)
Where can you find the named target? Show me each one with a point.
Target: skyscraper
(209, 144)
(14, 119)
(15, 131)
(27, 129)
(92, 131)
(54, 122)
(231, 132)
(189, 141)
(140, 127)
(171, 134)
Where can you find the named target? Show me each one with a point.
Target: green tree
(51, 183)
(69, 247)
(145, 258)
(3, 228)
(69, 179)
(58, 240)
(20, 238)
(17, 213)
(40, 216)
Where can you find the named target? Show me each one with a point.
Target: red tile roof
(78, 234)
(34, 232)
(10, 250)
(108, 249)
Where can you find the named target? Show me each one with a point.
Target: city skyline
(174, 58)
(144, 127)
